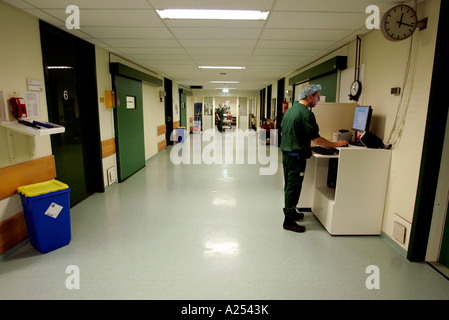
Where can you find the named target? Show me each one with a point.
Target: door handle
(168, 119)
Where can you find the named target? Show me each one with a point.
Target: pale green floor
(208, 232)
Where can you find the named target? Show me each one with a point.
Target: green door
(130, 146)
(183, 101)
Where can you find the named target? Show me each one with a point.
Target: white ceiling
(296, 33)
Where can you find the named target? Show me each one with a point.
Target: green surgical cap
(309, 89)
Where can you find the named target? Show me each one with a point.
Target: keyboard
(324, 151)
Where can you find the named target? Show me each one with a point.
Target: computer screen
(362, 118)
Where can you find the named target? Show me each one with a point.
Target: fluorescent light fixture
(221, 67)
(213, 14)
(225, 90)
(224, 81)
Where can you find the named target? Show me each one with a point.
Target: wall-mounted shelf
(31, 131)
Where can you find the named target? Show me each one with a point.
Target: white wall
(189, 106)
(153, 113)
(176, 106)
(106, 115)
(20, 59)
(385, 65)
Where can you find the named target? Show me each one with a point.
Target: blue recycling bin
(46, 206)
(181, 134)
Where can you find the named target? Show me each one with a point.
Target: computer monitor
(362, 118)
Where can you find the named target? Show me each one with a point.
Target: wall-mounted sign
(34, 85)
(130, 102)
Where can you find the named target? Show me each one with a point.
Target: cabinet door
(323, 210)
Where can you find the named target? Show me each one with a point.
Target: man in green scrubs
(219, 115)
(298, 128)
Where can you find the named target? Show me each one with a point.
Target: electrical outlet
(401, 231)
(111, 175)
(396, 91)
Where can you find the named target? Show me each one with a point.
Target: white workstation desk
(356, 205)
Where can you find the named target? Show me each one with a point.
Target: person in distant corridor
(298, 128)
(219, 114)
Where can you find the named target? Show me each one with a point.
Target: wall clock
(356, 86)
(399, 23)
(354, 92)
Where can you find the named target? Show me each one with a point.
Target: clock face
(354, 92)
(355, 87)
(399, 23)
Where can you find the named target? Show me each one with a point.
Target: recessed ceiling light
(213, 14)
(224, 81)
(221, 67)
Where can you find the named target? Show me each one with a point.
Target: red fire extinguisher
(284, 106)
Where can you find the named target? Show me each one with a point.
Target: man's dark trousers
(294, 168)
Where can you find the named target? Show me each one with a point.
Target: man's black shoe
(292, 226)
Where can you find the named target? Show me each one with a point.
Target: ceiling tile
(213, 4)
(303, 34)
(211, 52)
(112, 18)
(161, 57)
(315, 20)
(216, 33)
(217, 43)
(146, 43)
(285, 52)
(129, 32)
(321, 5)
(91, 4)
(286, 44)
(161, 50)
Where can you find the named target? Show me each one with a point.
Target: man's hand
(342, 143)
(323, 142)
